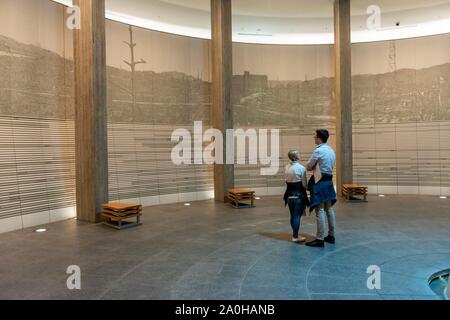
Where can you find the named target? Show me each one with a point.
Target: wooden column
(343, 93)
(222, 74)
(90, 110)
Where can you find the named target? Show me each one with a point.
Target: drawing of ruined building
(247, 84)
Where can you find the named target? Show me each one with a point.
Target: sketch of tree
(392, 56)
(132, 64)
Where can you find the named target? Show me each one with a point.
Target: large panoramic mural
(289, 88)
(401, 109)
(37, 162)
(401, 112)
(159, 82)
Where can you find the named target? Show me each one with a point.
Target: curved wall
(401, 102)
(171, 90)
(289, 88)
(401, 112)
(37, 161)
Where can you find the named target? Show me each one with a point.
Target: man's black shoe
(330, 239)
(316, 243)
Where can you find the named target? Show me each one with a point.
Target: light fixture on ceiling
(255, 34)
(443, 197)
(381, 195)
(41, 230)
(435, 27)
(187, 204)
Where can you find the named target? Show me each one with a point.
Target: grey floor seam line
(229, 244)
(250, 268)
(221, 248)
(316, 261)
(107, 290)
(352, 246)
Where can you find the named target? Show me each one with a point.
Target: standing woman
(295, 195)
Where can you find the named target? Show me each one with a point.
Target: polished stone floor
(212, 251)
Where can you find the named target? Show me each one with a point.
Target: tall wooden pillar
(222, 74)
(343, 93)
(90, 110)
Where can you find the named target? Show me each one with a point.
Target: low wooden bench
(355, 192)
(116, 215)
(236, 196)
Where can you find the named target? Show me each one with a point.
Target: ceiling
(285, 21)
(303, 8)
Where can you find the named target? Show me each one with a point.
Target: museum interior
(147, 145)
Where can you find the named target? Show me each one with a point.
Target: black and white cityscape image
(401, 119)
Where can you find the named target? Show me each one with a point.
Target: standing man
(323, 194)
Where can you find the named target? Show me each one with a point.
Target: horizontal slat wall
(37, 160)
(37, 166)
(401, 119)
(140, 163)
(274, 89)
(300, 138)
(171, 90)
(402, 116)
(410, 157)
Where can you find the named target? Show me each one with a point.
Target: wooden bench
(355, 192)
(116, 215)
(236, 196)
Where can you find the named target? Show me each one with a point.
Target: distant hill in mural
(39, 83)
(283, 103)
(403, 96)
(162, 98)
(34, 82)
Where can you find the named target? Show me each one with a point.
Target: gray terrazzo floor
(212, 251)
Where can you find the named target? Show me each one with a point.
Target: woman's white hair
(294, 155)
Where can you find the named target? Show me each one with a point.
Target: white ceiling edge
(422, 29)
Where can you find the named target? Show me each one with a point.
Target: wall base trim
(36, 219)
(47, 217)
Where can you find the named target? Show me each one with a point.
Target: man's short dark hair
(323, 135)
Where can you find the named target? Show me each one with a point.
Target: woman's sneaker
(299, 240)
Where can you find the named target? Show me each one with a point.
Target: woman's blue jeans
(296, 209)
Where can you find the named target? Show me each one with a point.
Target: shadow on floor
(285, 236)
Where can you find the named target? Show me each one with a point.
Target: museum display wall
(401, 115)
(289, 88)
(37, 159)
(401, 101)
(171, 89)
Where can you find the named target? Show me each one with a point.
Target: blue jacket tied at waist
(322, 192)
(297, 191)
